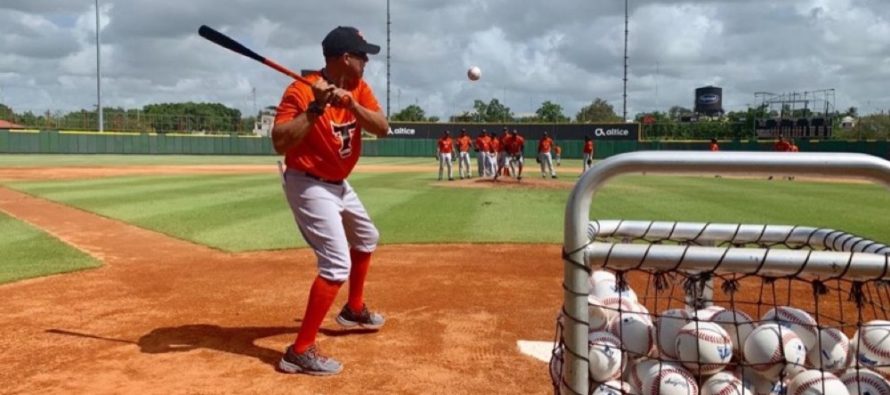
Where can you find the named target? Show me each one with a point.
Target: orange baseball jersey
(333, 145)
(445, 145)
(782, 146)
(482, 143)
(463, 143)
(506, 140)
(715, 147)
(558, 150)
(514, 146)
(494, 145)
(545, 144)
(588, 147)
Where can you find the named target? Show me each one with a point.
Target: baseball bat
(227, 42)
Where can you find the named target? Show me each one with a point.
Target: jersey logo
(344, 134)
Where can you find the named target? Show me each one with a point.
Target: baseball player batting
(320, 138)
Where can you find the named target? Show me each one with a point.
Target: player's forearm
(289, 134)
(372, 121)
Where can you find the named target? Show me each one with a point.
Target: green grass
(26, 252)
(29, 160)
(249, 212)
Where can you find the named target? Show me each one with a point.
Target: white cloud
(569, 51)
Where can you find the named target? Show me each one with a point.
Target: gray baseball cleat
(364, 319)
(309, 362)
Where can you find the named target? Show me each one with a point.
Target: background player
(588, 153)
(463, 149)
(558, 151)
(482, 146)
(515, 146)
(444, 148)
(544, 157)
(318, 129)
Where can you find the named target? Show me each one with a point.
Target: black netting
(784, 310)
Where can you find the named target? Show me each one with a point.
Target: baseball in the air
(831, 353)
(865, 382)
(606, 359)
(764, 349)
(873, 346)
(816, 382)
(474, 73)
(799, 321)
(703, 347)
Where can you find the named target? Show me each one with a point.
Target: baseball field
(167, 274)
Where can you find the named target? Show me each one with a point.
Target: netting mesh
(796, 319)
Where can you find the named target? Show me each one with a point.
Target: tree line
(672, 124)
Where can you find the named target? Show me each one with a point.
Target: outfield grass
(249, 212)
(26, 252)
(39, 160)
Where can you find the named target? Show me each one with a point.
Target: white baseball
(556, 361)
(671, 381)
(761, 385)
(831, 352)
(636, 332)
(667, 327)
(641, 370)
(725, 383)
(703, 347)
(799, 321)
(604, 284)
(597, 315)
(873, 347)
(816, 382)
(737, 324)
(707, 313)
(615, 387)
(765, 347)
(474, 73)
(865, 382)
(606, 359)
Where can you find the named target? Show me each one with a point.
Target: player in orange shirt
(494, 149)
(481, 146)
(588, 153)
(713, 146)
(793, 146)
(444, 147)
(318, 130)
(463, 148)
(558, 151)
(782, 145)
(544, 158)
(514, 147)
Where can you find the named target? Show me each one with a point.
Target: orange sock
(321, 297)
(361, 261)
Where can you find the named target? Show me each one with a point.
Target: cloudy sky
(565, 51)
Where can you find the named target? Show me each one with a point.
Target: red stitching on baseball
(879, 385)
(795, 320)
(803, 387)
(717, 338)
(872, 348)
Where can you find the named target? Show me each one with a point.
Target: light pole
(624, 116)
(98, 74)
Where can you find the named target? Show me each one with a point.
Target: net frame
(578, 242)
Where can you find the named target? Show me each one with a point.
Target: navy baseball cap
(345, 39)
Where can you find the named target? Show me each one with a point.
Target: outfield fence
(69, 142)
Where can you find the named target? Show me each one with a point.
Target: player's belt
(326, 181)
